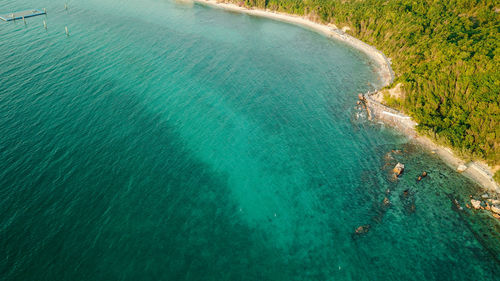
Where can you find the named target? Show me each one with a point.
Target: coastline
(478, 172)
(383, 66)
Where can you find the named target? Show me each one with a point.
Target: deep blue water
(164, 141)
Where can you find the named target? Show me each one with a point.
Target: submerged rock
(388, 156)
(386, 201)
(476, 204)
(455, 201)
(408, 201)
(362, 229)
(398, 169)
(424, 174)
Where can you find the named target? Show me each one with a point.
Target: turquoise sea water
(163, 141)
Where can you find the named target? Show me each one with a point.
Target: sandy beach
(382, 64)
(477, 171)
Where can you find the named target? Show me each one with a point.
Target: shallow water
(162, 141)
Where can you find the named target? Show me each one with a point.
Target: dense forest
(445, 54)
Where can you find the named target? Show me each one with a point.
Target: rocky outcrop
(403, 123)
(386, 201)
(494, 201)
(495, 209)
(490, 205)
(424, 174)
(362, 229)
(476, 204)
(398, 169)
(389, 115)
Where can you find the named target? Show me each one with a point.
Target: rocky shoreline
(487, 204)
(475, 171)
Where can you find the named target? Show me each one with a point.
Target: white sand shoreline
(383, 66)
(478, 172)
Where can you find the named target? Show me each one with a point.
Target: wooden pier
(22, 15)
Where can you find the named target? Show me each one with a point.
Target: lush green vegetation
(444, 52)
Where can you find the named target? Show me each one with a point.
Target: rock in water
(386, 201)
(476, 204)
(455, 201)
(398, 169)
(494, 201)
(362, 229)
(495, 209)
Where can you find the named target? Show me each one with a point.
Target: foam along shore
(478, 172)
